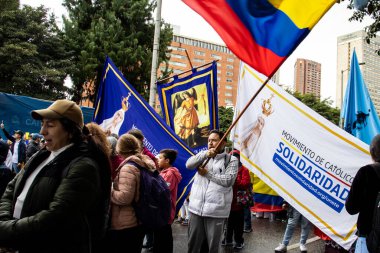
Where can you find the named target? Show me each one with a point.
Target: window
(229, 73)
(228, 101)
(216, 56)
(199, 53)
(229, 80)
(228, 94)
(199, 60)
(230, 67)
(228, 87)
(180, 64)
(230, 60)
(178, 56)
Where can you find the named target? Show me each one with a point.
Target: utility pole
(156, 46)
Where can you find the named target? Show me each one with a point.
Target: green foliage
(225, 118)
(121, 29)
(372, 10)
(33, 59)
(323, 107)
(8, 5)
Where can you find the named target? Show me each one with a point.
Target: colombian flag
(262, 33)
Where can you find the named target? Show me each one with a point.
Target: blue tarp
(15, 113)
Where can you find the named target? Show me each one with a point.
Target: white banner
(305, 158)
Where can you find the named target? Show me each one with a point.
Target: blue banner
(15, 113)
(190, 106)
(120, 108)
(358, 113)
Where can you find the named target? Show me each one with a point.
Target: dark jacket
(21, 147)
(32, 148)
(6, 175)
(362, 197)
(63, 210)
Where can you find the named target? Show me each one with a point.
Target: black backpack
(373, 238)
(154, 206)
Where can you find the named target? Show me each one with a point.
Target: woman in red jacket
(235, 224)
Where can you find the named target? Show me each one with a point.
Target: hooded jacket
(211, 194)
(172, 177)
(126, 191)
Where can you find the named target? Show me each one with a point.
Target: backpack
(373, 238)
(154, 206)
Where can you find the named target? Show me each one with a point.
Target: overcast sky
(319, 46)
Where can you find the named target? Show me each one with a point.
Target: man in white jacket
(211, 195)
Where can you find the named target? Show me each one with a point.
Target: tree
(121, 29)
(323, 107)
(33, 59)
(372, 9)
(225, 118)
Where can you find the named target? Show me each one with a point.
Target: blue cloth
(358, 112)
(15, 112)
(361, 245)
(119, 108)
(202, 87)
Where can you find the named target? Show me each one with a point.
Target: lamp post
(156, 46)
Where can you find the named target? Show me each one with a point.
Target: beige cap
(61, 109)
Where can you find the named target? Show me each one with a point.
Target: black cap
(19, 132)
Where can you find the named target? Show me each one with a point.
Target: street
(266, 235)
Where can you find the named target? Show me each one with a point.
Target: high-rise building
(307, 77)
(187, 53)
(368, 61)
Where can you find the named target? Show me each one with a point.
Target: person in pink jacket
(127, 234)
(163, 237)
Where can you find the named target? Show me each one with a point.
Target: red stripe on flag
(260, 207)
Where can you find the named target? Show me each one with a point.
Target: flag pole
(238, 117)
(186, 71)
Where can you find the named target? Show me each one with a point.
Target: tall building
(307, 77)
(187, 53)
(368, 61)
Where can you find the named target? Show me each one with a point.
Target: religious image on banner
(251, 134)
(191, 113)
(189, 106)
(112, 125)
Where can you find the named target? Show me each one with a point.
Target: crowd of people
(73, 187)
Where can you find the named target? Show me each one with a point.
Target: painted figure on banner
(190, 113)
(112, 125)
(252, 133)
